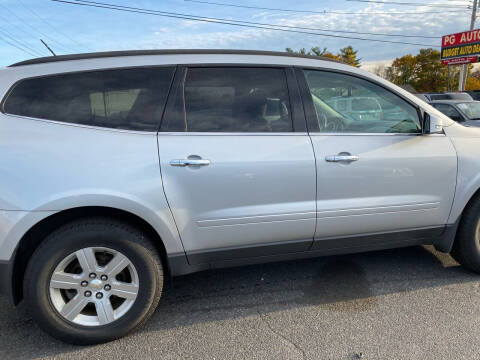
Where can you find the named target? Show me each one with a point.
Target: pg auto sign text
(465, 44)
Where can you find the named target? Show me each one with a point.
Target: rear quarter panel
(47, 167)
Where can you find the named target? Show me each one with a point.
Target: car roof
(96, 55)
(451, 101)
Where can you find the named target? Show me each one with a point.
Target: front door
(237, 164)
(376, 172)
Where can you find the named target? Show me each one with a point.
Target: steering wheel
(333, 124)
(324, 121)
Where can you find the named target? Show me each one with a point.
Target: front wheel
(93, 281)
(466, 248)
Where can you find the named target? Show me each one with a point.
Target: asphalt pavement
(411, 303)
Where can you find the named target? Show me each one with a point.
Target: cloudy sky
(73, 29)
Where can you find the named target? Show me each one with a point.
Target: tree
(473, 83)
(302, 51)
(381, 70)
(316, 51)
(349, 56)
(430, 74)
(423, 71)
(403, 70)
(332, 56)
(475, 74)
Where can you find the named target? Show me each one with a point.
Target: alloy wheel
(94, 286)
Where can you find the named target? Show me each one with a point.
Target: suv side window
(348, 104)
(131, 99)
(235, 99)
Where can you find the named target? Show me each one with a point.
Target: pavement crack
(264, 318)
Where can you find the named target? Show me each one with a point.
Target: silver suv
(121, 169)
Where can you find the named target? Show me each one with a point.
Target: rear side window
(233, 99)
(131, 99)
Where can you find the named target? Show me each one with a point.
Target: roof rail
(96, 55)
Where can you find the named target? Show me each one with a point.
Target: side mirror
(432, 124)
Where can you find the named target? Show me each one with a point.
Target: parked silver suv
(120, 169)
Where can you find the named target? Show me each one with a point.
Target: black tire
(466, 248)
(93, 232)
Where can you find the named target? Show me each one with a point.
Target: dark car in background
(475, 94)
(448, 96)
(422, 97)
(464, 112)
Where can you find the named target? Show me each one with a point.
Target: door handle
(189, 162)
(342, 158)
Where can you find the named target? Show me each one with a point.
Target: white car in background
(357, 107)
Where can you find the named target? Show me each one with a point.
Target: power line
(262, 24)
(397, 13)
(34, 29)
(225, 21)
(319, 12)
(19, 48)
(27, 24)
(28, 34)
(414, 4)
(51, 25)
(12, 37)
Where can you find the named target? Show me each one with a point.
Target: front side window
(131, 99)
(233, 99)
(347, 104)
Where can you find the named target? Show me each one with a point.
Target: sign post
(462, 48)
(463, 76)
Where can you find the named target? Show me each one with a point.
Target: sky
(76, 29)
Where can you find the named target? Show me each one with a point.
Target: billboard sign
(460, 60)
(461, 48)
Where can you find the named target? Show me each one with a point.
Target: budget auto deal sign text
(461, 48)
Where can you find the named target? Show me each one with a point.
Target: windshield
(471, 109)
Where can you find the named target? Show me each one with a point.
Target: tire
(135, 291)
(466, 248)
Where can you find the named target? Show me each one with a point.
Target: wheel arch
(448, 240)
(37, 233)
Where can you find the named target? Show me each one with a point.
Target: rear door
(375, 175)
(237, 164)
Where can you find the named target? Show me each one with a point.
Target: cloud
(423, 20)
(161, 30)
(372, 65)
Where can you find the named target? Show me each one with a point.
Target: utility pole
(463, 73)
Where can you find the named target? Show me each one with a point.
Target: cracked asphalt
(411, 303)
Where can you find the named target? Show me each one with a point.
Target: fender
(17, 223)
(468, 174)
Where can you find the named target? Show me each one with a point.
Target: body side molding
(440, 236)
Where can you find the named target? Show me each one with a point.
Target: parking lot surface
(411, 303)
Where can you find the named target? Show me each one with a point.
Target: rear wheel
(93, 281)
(466, 248)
